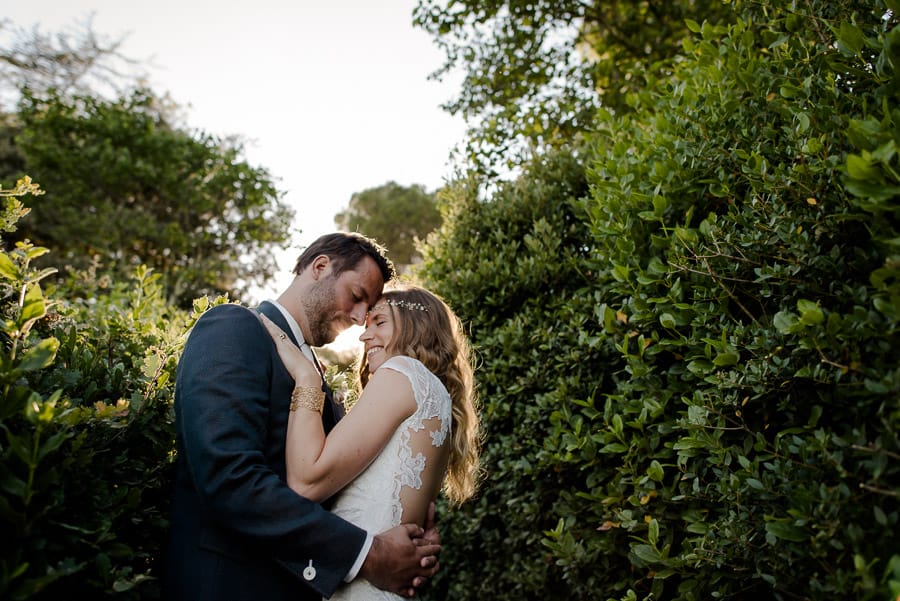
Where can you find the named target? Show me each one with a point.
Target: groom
(237, 530)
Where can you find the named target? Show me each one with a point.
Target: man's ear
(320, 266)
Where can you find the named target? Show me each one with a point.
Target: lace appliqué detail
(432, 401)
(411, 467)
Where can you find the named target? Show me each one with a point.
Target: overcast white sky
(332, 96)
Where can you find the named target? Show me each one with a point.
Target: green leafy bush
(689, 374)
(86, 371)
(511, 267)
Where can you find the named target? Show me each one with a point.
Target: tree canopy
(535, 71)
(126, 187)
(397, 216)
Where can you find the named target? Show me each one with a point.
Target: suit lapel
(331, 412)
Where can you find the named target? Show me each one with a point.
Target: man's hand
(401, 559)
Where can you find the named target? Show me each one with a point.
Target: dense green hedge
(690, 372)
(86, 429)
(508, 266)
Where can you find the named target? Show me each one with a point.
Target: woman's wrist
(307, 379)
(308, 397)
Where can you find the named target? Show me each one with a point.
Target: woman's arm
(318, 467)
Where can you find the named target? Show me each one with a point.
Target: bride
(413, 432)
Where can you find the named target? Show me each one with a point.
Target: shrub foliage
(86, 428)
(689, 372)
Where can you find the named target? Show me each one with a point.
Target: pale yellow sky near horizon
(331, 97)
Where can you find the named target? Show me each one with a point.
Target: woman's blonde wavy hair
(435, 337)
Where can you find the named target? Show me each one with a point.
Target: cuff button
(309, 572)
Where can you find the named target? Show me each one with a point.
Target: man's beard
(318, 306)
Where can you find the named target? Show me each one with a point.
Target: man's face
(334, 303)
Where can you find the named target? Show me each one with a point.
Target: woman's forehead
(380, 308)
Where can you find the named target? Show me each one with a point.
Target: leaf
(786, 531)
(614, 448)
(16, 399)
(689, 443)
(698, 415)
(12, 485)
(52, 443)
(33, 307)
(38, 251)
(874, 190)
(810, 313)
(646, 553)
(785, 321)
(620, 272)
(726, 359)
(860, 168)
(659, 205)
(697, 528)
(700, 366)
(8, 269)
(609, 318)
(40, 355)
(617, 425)
(851, 37)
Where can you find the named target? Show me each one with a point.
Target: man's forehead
(373, 295)
(367, 276)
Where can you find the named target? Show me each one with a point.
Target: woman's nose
(365, 335)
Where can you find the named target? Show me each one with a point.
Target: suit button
(309, 572)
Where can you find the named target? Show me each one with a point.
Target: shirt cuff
(357, 565)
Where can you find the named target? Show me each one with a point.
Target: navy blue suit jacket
(238, 530)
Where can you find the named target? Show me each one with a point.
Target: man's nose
(358, 315)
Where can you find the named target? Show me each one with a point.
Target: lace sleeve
(432, 398)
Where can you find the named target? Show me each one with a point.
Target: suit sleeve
(223, 402)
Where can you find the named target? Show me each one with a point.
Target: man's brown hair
(346, 250)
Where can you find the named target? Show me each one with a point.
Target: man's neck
(296, 328)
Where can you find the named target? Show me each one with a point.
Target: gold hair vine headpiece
(404, 304)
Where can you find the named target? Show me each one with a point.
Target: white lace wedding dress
(372, 500)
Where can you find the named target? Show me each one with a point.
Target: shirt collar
(292, 323)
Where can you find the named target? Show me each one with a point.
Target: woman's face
(377, 335)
